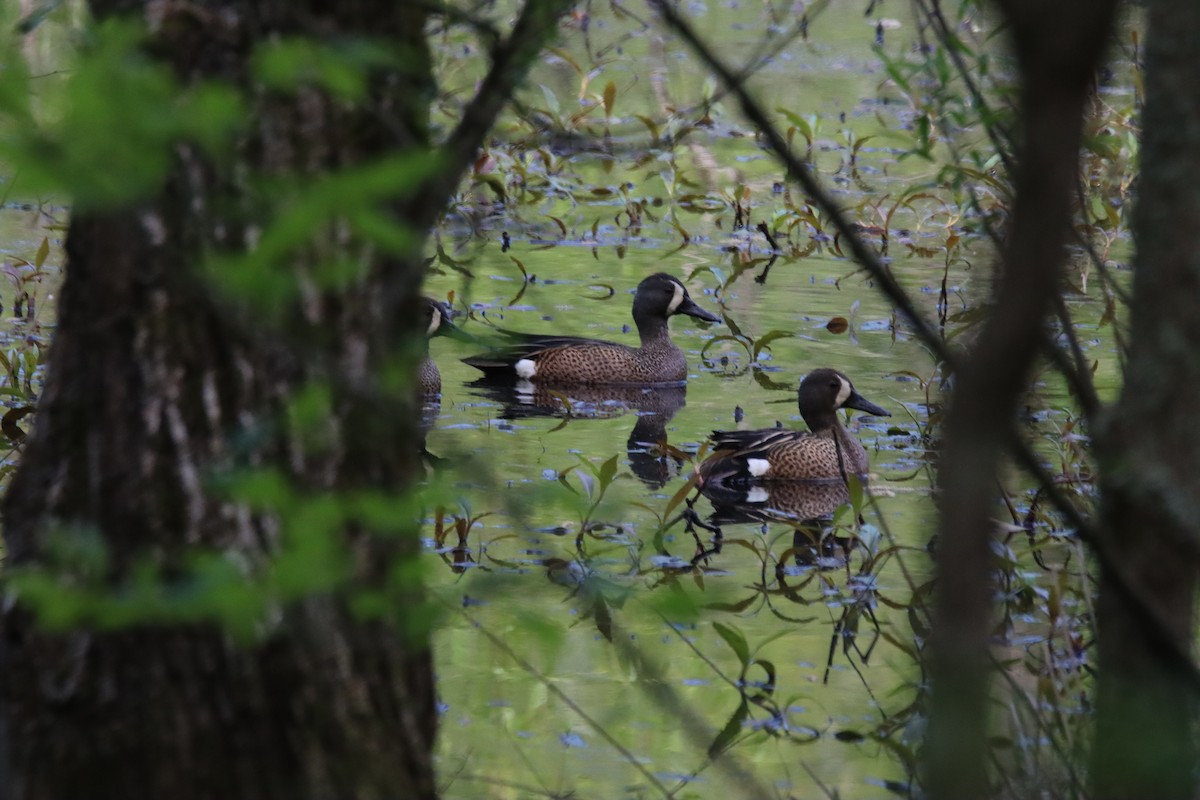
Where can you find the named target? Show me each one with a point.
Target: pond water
(558, 640)
(529, 583)
(584, 647)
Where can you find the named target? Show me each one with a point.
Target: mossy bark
(155, 384)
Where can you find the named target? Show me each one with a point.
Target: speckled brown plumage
(825, 452)
(656, 361)
(569, 360)
(429, 377)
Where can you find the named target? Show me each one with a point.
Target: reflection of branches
(802, 174)
(846, 629)
(1077, 374)
(1055, 76)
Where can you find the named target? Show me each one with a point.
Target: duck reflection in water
(651, 459)
(805, 506)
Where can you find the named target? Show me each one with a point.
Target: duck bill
(689, 307)
(856, 400)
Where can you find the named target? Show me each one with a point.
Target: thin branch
(800, 171)
(511, 60)
(1079, 376)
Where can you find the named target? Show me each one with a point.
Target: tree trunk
(154, 386)
(1147, 701)
(1058, 47)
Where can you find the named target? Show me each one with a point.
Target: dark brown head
(824, 392)
(661, 296)
(438, 318)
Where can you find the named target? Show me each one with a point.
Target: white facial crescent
(676, 300)
(843, 393)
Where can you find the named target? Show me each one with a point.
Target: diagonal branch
(799, 169)
(511, 60)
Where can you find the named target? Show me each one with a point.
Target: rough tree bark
(1058, 47)
(1146, 743)
(154, 384)
(150, 383)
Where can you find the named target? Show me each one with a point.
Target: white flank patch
(526, 368)
(843, 394)
(757, 494)
(757, 466)
(434, 323)
(676, 300)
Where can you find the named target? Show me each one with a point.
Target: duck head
(824, 392)
(662, 296)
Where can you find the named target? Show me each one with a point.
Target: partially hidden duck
(437, 323)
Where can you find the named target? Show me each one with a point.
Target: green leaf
(856, 492)
(679, 495)
(728, 733)
(736, 641)
(608, 471)
(769, 668)
(42, 252)
(551, 100)
(764, 341)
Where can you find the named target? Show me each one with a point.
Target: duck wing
(503, 362)
(751, 444)
(515, 346)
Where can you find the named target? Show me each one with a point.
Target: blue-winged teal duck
(437, 323)
(575, 360)
(824, 452)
